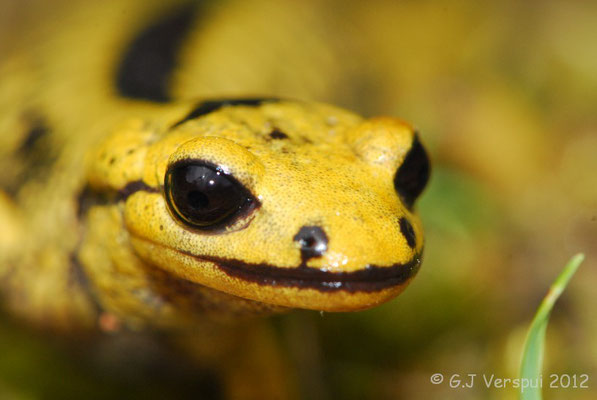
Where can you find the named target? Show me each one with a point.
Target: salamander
(123, 197)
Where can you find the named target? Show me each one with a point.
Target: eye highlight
(412, 176)
(203, 196)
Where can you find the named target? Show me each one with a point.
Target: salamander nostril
(313, 242)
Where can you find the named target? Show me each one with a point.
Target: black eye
(413, 174)
(203, 196)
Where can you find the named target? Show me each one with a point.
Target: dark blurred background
(505, 97)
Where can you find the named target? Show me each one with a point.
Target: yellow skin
(334, 170)
(121, 249)
(90, 235)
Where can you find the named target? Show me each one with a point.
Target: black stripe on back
(146, 66)
(210, 106)
(34, 159)
(38, 130)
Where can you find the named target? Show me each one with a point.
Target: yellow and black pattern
(135, 199)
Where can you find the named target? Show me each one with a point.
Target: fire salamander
(209, 206)
(123, 198)
(133, 196)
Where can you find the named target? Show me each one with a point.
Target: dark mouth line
(371, 278)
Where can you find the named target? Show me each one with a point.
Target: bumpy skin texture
(332, 170)
(88, 231)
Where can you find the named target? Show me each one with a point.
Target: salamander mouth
(370, 278)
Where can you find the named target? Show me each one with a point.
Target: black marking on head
(134, 187)
(210, 106)
(412, 176)
(408, 232)
(87, 198)
(313, 242)
(146, 67)
(277, 134)
(90, 197)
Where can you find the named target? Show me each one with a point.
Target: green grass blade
(532, 356)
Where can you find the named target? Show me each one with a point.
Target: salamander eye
(204, 196)
(412, 176)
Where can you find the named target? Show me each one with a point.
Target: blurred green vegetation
(531, 368)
